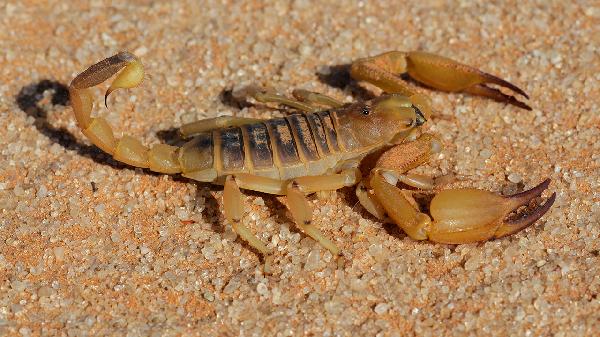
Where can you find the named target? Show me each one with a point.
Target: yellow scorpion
(320, 149)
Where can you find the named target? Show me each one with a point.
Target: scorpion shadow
(338, 76)
(28, 100)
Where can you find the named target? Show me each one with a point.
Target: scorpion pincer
(320, 148)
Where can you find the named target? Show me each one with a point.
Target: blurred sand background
(91, 247)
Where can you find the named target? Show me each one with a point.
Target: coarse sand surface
(91, 247)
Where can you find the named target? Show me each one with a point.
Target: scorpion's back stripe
(259, 146)
(303, 136)
(316, 128)
(282, 142)
(231, 150)
(330, 132)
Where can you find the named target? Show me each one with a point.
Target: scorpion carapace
(320, 148)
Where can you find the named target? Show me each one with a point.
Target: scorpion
(319, 148)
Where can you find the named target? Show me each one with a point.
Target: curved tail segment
(160, 158)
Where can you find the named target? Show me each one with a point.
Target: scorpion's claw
(497, 95)
(434, 71)
(515, 224)
(470, 215)
(461, 215)
(448, 75)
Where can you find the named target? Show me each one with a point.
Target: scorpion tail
(160, 158)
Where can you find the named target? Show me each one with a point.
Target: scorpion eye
(366, 110)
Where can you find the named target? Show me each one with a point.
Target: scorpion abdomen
(304, 144)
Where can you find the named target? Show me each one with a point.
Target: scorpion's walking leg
(295, 190)
(205, 125)
(268, 96)
(234, 209)
(301, 209)
(307, 101)
(317, 98)
(434, 71)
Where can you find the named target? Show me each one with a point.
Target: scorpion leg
(369, 202)
(129, 150)
(301, 209)
(304, 100)
(205, 125)
(295, 191)
(434, 71)
(312, 97)
(234, 209)
(260, 184)
(268, 96)
(302, 213)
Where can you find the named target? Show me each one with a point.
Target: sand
(91, 247)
